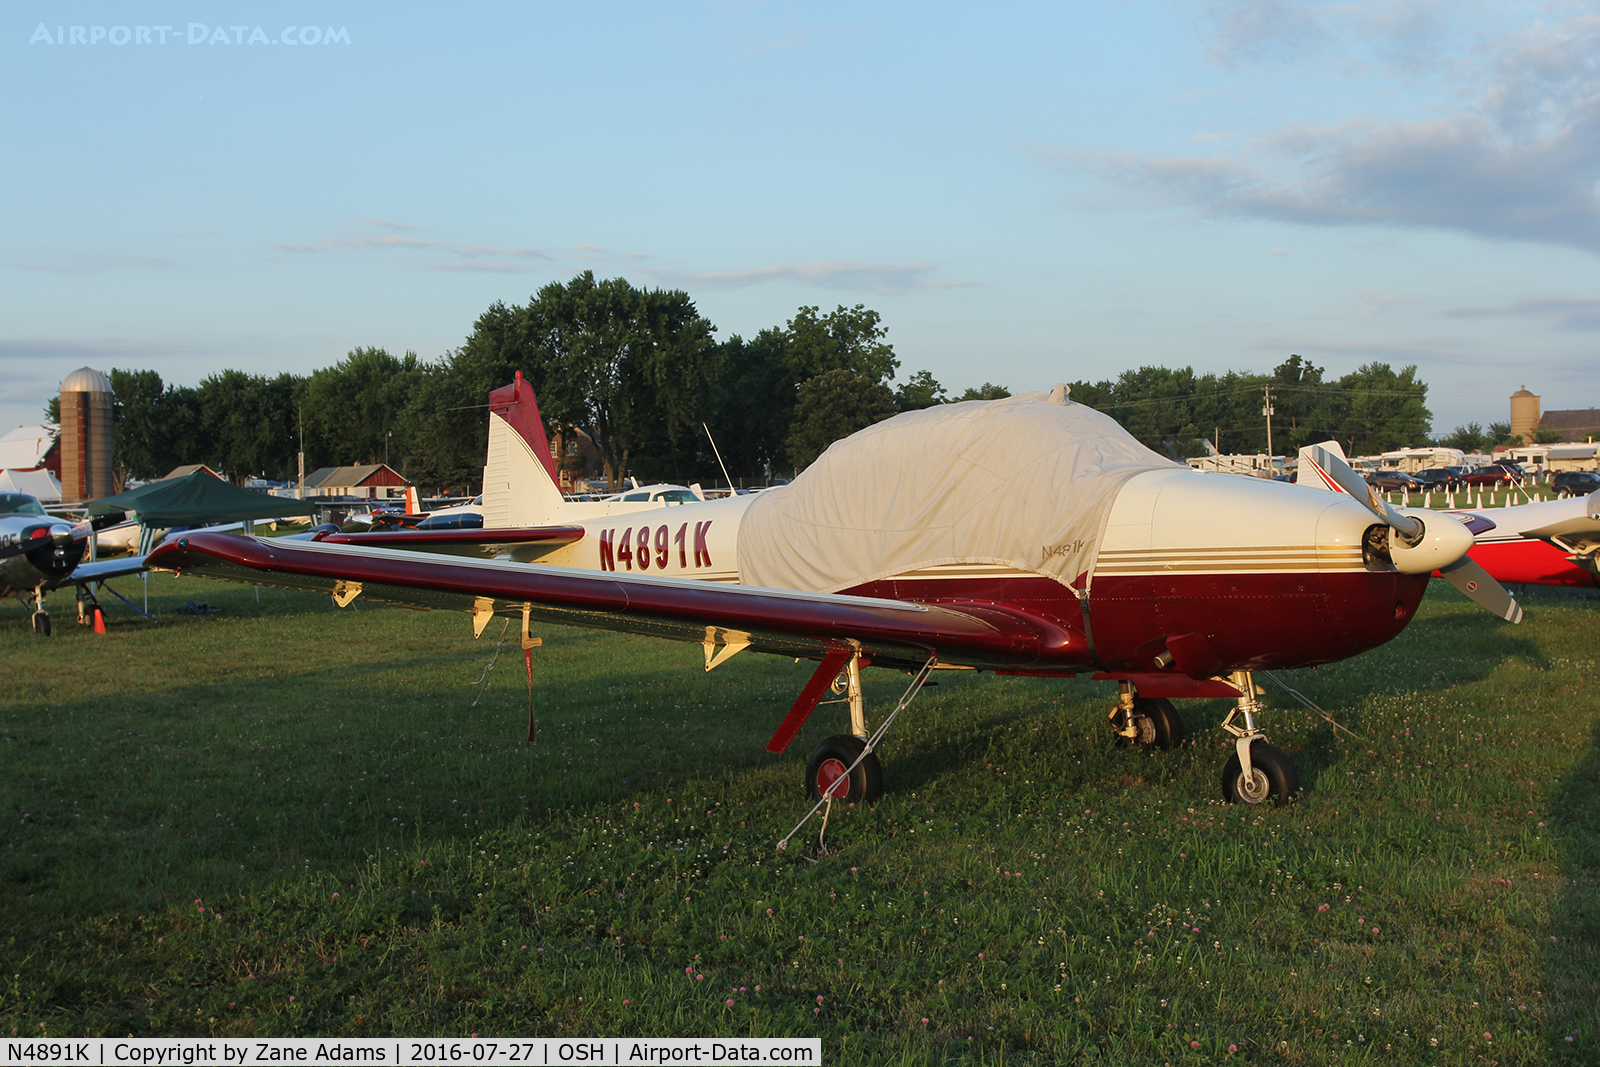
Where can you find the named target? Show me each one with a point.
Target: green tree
(1499, 433)
(1383, 409)
(631, 368)
(833, 405)
(844, 339)
(154, 426)
(247, 424)
(356, 410)
(1468, 438)
(752, 402)
(986, 391)
(920, 391)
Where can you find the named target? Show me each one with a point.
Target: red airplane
(1026, 536)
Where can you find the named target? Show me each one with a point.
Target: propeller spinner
(1419, 547)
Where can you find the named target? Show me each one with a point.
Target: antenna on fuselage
(718, 454)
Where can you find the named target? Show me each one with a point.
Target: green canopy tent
(198, 498)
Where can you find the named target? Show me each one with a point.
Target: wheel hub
(1253, 788)
(831, 779)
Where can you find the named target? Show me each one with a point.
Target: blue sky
(1026, 193)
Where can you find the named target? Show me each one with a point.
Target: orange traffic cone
(99, 621)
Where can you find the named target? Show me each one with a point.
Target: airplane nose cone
(1444, 540)
(60, 535)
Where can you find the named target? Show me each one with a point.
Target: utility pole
(300, 480)
(1266, 409)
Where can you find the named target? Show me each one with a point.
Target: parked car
(1438, 478)
(1496, 474)
(1393, 481)
(1575, 483)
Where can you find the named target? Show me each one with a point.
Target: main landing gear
(837, 767)
(1145, 721)
(1256, 772)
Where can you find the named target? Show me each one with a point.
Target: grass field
(289, 819)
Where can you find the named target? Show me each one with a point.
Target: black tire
(826, 766)
(1168, 727)
(1273, 777)
(41, 624)
(1157, 722)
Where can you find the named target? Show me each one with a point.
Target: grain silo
(85, 436)
(1524, 414)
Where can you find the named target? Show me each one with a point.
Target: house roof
(337, 477)
(1573, 424)
(186, 470)
(25, 447)
(1572, 418)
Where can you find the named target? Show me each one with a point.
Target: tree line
(641, 373)
(638, 371)
(1372, 409)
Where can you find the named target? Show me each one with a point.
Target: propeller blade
(1443, 540)
(1337, 471)
(1467, 575)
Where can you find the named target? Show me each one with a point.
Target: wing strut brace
(872, 742)
(827, 671)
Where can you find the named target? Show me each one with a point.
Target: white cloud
(831, 274)
(1576, 315)
(1520, 160)
(444, 255)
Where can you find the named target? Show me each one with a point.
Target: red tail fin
(516, 404)
(520, 483)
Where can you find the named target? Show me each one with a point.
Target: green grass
(290, 819)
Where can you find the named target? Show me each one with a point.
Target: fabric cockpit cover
(1027, 481)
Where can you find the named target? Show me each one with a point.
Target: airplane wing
(103, 570)
(786, 622)
(488, 542)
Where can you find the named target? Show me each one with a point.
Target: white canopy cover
(1027, 481)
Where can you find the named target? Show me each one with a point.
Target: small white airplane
(40, 553)
(1027, 536)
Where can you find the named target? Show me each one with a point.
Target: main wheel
(1157, 722)
(1272, 777)
(827, 767)
(1168, 728)
(41, 623)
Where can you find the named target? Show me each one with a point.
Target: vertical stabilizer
(1308, 473)
(520, 485)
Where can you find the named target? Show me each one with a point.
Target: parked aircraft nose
(1444, 540)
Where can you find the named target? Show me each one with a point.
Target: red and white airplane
(1550, 542)
(1028, 536)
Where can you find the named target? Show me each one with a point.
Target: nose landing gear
(1257, 772)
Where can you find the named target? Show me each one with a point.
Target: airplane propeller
(1419, 548)
(57, 535)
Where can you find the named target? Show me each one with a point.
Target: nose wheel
(1256, 773)
(41, 618)
(1271, 778)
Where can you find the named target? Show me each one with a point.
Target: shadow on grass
(1572, 956)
